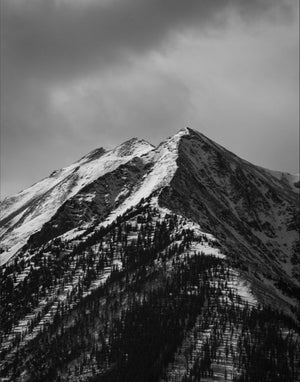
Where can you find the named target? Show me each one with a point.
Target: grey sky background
(76, 75)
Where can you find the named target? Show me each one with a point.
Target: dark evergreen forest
(134, 301)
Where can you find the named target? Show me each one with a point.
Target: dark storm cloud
(62, 39)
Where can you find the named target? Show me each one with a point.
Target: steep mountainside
(174, 263)
(254, 214)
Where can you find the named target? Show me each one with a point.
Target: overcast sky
(76, 75)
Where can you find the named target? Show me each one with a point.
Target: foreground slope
(177, 264)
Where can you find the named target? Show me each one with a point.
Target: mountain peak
(189, 131)
(184, 130)
(192, 133)
(181, 133)
(133, 146)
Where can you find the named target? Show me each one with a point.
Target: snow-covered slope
(25, 213)
(162, 163)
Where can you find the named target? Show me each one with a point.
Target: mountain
(170, 263)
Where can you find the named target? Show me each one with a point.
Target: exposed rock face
(252, 213)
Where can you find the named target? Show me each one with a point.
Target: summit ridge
(25, 213)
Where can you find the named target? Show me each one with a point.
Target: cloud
(63, 40)
(120, 105)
